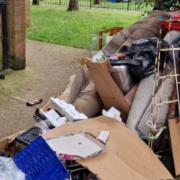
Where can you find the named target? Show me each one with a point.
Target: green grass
(55, 25)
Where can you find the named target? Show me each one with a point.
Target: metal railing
(136, 5)
(4, 59)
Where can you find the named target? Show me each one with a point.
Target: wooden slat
(170, 49)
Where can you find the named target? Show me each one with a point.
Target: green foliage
(166, 5)
(55, 25)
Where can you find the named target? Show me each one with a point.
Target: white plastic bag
(9, 170)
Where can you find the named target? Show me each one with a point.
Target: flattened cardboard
(108, 90)
(127, 157)
(174, 129)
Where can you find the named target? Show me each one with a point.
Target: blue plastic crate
(39, 162)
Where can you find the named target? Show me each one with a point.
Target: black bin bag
(140, 57)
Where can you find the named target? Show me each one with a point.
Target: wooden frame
(112, 31)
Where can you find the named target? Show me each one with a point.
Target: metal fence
(136, 5)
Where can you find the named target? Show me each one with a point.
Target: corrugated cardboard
(4, 142)
(174, 129)
(126, 158)
(108, 90)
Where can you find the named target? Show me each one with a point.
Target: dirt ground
(48, 70)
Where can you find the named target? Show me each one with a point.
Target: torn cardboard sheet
(79, 145)
(4, 142)
(126, 157)
(174, 129)
(108, 90)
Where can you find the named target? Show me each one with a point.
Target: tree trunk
(35, 2)
(96, 1)
(73, 5)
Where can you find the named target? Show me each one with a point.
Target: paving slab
(48, 70)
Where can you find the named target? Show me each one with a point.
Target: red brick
(17, 17)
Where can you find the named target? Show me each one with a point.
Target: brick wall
(17, 12)
(1, 50)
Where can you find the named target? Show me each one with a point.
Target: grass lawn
(55, 25)
(132, 5)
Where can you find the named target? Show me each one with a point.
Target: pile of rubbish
(118, 118)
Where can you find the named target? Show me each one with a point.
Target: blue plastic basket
(39, 162)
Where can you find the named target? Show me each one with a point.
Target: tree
(165, 5)
(73, 5)
(96, 1)
(35, 2)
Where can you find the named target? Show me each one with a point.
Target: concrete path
(48, 70)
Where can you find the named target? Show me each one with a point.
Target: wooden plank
(174, 129)
(170, 49)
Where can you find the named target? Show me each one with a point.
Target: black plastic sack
(140, 57)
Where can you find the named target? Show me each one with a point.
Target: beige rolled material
(88, 101)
